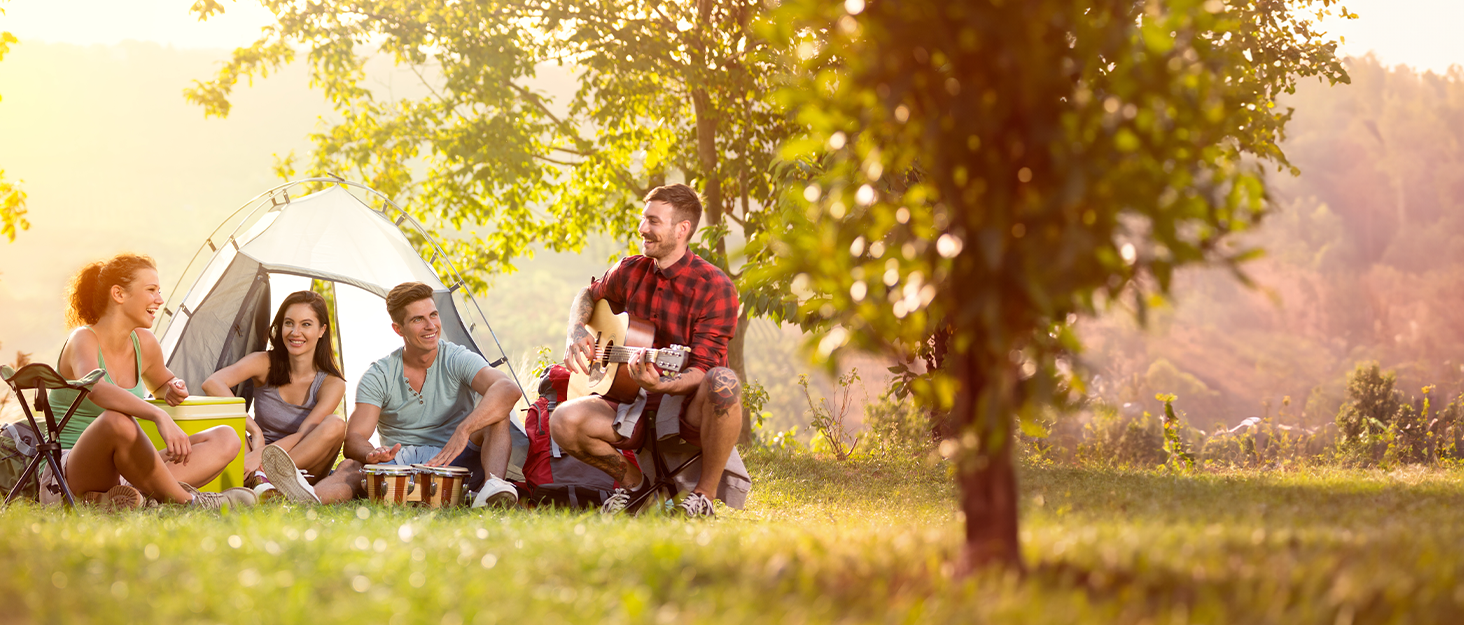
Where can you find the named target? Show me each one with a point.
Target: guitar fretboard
(622, 354)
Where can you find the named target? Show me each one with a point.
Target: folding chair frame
(49, 448)
(665, 480)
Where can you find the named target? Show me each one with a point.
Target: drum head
(386, 469)
(444, 471)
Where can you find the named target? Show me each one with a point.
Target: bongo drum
(440, 487)
(387, 483)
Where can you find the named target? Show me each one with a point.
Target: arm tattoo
(726, 389)
(612, 464)
(579, 314)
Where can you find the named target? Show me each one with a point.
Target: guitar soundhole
(597, 368)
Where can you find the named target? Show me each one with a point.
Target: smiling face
(661, 233)
(139, 301)
(420, 326)
(301, 329)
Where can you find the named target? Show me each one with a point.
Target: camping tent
(275, 245)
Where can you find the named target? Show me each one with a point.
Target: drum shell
(440, 487)
(391, 485)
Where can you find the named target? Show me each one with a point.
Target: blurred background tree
(1363, 264)
(661, 91)
(12, 199)
(986, 172)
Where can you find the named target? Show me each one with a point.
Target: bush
(1372, 404)
(897, 430)
(1117, 439)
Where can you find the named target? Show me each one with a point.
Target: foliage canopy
(992, 170)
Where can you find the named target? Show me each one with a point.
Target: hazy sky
(1421, 33)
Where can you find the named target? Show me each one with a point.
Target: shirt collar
(678, 269)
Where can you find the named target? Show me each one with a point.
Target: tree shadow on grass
(1342, 500)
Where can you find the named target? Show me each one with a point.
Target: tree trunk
(713, 211)
(738, 364)
(986, 476)
(713, 208)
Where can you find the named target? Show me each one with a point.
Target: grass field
(819, 542)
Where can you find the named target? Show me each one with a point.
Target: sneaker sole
(504, 499)
(285, 476)
(124, 497)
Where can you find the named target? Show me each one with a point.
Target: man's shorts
(689, 431)
(471, 459)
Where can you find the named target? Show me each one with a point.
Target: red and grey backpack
(552, 476)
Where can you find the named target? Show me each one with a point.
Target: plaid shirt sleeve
(612, 286)
(716, 322)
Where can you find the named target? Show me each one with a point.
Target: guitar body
(607, 378)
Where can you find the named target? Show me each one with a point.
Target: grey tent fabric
(219, 329)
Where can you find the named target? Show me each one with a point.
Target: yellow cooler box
(197, 414)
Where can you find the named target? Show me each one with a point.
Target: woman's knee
(333, 428)
(223, 436)
(116, 426)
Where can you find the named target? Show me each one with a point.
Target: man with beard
(690, 302)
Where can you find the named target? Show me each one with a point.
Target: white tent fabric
(330, 235)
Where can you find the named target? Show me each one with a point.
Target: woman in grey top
(297, 389)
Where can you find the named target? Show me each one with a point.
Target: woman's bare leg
(213, 450)
(115, 445)
(315, 449)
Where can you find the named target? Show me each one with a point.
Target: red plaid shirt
(690, 303)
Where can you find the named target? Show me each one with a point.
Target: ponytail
(91, 287)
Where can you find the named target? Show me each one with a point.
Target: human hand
(176, 446)
(254, 436)
(175, 391)
(579, 351)
(643, 371)
(383, 454)
(450, 451)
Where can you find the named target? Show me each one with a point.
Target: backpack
(550, 475)
(17, 447)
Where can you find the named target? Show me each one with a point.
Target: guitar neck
(622, 355)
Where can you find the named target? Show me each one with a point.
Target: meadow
(821, 541)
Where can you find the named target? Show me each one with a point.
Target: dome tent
(275, 245)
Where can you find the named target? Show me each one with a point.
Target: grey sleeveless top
(278, 418)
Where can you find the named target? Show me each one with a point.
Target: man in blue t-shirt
(420, 399)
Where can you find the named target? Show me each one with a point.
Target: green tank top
(87, 412)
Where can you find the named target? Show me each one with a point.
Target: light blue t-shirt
(429, 417)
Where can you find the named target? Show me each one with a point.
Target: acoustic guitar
(617, 338)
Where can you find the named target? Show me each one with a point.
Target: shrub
(896, 429)
(830, 420)
(1372, 403)
(1116, 439)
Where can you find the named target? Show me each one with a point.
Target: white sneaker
(697, 506)
(497, 493)
(617, 502)
(266, 491)
(280, 468)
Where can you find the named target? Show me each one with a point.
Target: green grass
(820, 542)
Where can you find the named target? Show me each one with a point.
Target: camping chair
(644, 438)
(42, 379)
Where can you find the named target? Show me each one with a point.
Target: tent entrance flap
(227, 324)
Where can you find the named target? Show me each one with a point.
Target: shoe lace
(697, 505)
(617, 501)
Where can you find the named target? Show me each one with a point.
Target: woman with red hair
(107, 456)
